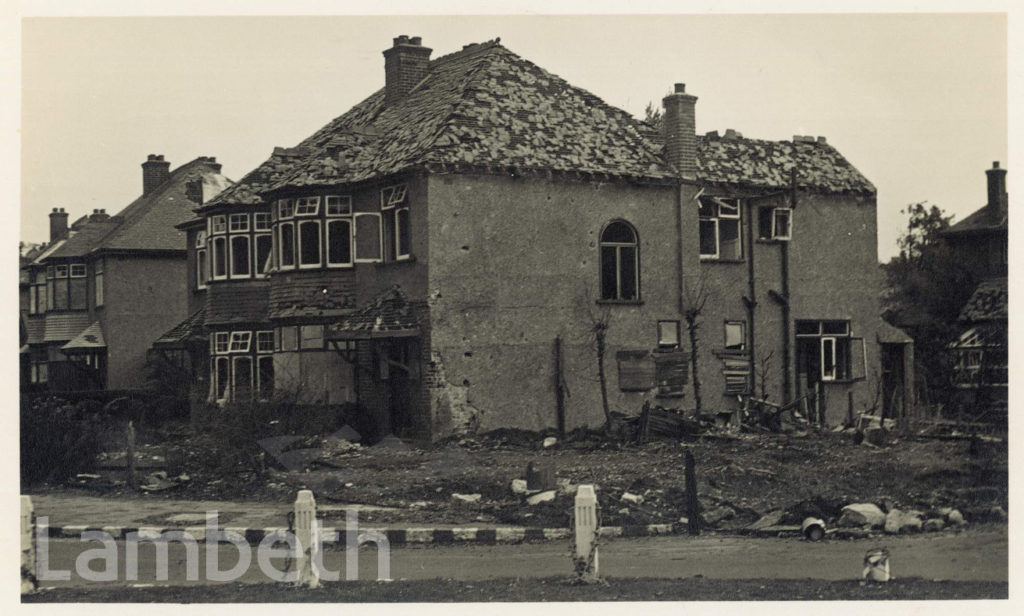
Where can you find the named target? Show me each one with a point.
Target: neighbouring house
(105, 287)
(440, 256)
(980, 242)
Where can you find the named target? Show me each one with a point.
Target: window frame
(285, 209)
(247, 252)
(262, 221)
(220, 342)
(661, 336)
(355, 235)
(717, 217)
(307, 206)
(280, 245)
(618, 246)
(219, 245)
(240, 342)
(242, 220)
(262, 271)
(351, 241)
(742, 324)
(202, 268)
(345, 200)
(299, 224)
(218, 224)
(788, 211)
(80, 268)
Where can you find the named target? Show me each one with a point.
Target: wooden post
(307, 534)
(692, 506)
(559, 390)
(586, 531)
(28, 546)
(849, 407)
(130, 457)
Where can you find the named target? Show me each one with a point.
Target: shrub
(58, 439)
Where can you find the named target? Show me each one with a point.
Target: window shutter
(368, 239)
(858, 359)
(636, 370)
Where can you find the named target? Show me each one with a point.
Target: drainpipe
(751, 299)
(787, 385)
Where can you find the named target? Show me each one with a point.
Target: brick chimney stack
(679, 129)
(58, 224)
(998, 201)
(405, 65)
(99, 215)
(155, 171)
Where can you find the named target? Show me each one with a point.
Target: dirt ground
(812, 473)
(547, 589)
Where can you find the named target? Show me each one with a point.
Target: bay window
(240, 256)
(339, 242)
(286, 245)
(263, 251)
(309, 243)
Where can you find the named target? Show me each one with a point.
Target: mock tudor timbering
(430, 245)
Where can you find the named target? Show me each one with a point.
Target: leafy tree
(926, 286)
(652, 115)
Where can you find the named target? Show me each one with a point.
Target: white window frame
(261, 221)
(201, 238)
(743, 335)
(826, 376)
(351, 242)
(789, 224)
(215, 380)
(238, 223)
(240, 342)
(341, 202)
(298, 243)
(218, 225)
(234, 374)
(664, 340)
(720, 203)
(223, 240)
(201, 279)
(231, 255)
(285, 209)
(307, 206)
(97, 282)
(355, 238)
(79, 268)
(255, 255)
(220, 341)
(393, 196)
(406, 255)
(60, 271)
(280, 246)
(705, 255)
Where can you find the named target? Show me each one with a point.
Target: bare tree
(599, 319)
(695, 296)
(763, 370)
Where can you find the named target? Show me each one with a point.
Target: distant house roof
(148, 223)
(890, 334)
(487, 108)
(388, 314)
(986, 218)
(989, 302)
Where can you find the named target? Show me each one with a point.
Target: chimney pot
(155, 171)
(406, 63)
(679, 130)
(822, 139)
(995, 164)
(58, 224)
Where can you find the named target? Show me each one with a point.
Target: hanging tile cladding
(389, 311)
(237, 302)
(767, 164)
(302, 294)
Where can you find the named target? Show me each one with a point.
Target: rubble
(861, 514)
(467, 498)
(541, 497)
(897, 521)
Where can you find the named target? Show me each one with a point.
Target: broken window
(240, 256)
(307, 206)
(395, 206)
(840, 356)
(620, 271)
(263, 251)
(286, 243)
(735, 336)
(285, 208)
(339, 242)
(309, 243)
(240, 342)
(218, 224)
(368, 238)
(668, 334)
(720, 236)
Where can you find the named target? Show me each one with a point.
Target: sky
(916, 102)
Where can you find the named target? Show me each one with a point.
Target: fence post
(307, 534)
(28, 546)
(586, 532)
(130, 456)
(692, 506)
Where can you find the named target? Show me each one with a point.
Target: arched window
(620, 262)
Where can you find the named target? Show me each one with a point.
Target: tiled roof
(486, 107)
(984, 219)
(388, 313)
(148, 223)
(768, 164)
(90, 338)
(989, 302)
(64, 327)
(189, 329)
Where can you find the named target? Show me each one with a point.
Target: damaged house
(422, 256)
(105, 287)
(980, 243)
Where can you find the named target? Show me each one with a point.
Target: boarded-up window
(636, 370)
(737, 375)
(672, 373)
(858, 359)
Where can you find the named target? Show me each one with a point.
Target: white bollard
(307, 533)
(586, 530)
(28, 546)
